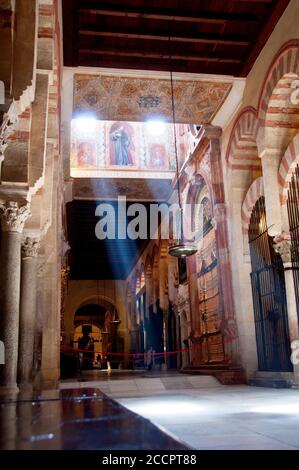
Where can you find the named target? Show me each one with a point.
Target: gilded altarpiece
(210, 310)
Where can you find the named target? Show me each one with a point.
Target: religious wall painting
(103, 145)
(86, 155)
(158, 156)
(121, 144)
(206, 212)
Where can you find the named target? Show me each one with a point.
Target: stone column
(13, 217)
(65, 272)
(283, 247)
(39, 321)
(270, 164)
(29, 250)
(149, 289)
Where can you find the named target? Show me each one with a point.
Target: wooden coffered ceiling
(203, 36)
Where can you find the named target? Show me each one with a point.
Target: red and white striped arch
(287, 167)
(255, 191)
(274, 109)
(242, 152)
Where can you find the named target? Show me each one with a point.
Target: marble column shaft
(27, 310)
(283, 247)
(39, 322)
(13, 218)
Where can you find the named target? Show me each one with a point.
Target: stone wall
(32, 197)
(257, 160)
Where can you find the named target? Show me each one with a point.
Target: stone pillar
(163, 278)
(13, 217)
(30, 246)
(149, 289)
(270, 164)
(65, 272)
(283, 247)
(39, 321)
(229, 324)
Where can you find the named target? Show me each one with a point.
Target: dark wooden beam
(131, 11)
(157, 55)
(158, 65)
(202, 38)
(70, 22)
(253, 1)
(264, 35)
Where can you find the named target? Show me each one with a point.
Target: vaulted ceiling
(202, 36)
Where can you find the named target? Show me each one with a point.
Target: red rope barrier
(69, 349)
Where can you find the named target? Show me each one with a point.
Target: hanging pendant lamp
(182, 249)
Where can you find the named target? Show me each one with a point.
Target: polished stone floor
(77, 419)
(207, 415)
(227, 418)
(153, 410)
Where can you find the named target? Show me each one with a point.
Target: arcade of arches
(232, 309)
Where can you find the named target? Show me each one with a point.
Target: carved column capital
(13, 216)
(30, 247)
(283, 247)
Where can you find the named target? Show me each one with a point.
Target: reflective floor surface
(225, 418)
(205, 414)
(81, 419)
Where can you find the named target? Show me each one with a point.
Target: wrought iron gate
(293, 211)
(269, 296)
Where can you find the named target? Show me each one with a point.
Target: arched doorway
(88, 326)
(96, 331)
(269, 297)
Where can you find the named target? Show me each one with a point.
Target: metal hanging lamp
(182, 249)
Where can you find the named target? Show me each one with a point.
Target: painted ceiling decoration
(136, 99)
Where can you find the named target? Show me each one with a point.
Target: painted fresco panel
(120, 145)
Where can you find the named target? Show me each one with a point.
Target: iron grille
(293, 212)
(269, 296)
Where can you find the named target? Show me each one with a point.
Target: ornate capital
(30, 247)
(283, 247)
(13, 216)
